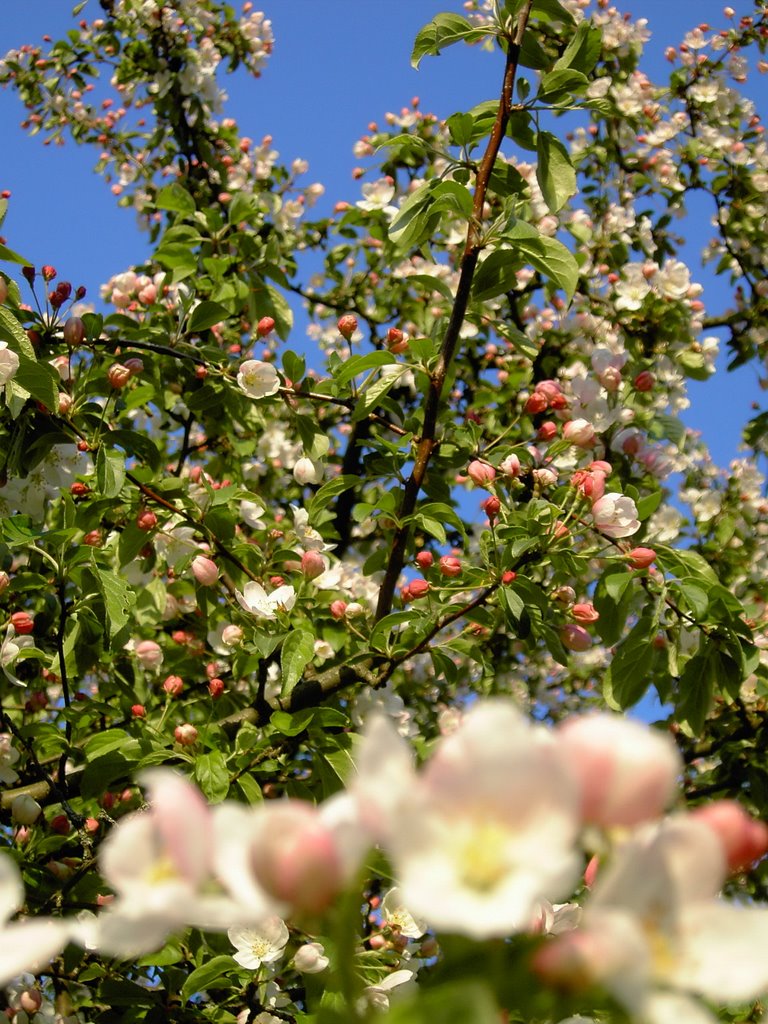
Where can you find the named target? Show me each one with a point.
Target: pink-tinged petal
(11, 888)
(341, 815)
(183, 820)
(234, 829)
(661, 869)
(30, 946)
(627, 772)
(721, 952)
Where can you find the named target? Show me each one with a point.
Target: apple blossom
(575, 638)
(308, 471)
(205, 570)
(9, 363)
(627, 773)
(260, 945)
(28, 944)
(471, 856)
(254, 599)
(8, 757)
(481, 473)
(615, 516)
(25, 810)
(258, 379)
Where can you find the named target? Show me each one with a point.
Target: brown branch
(428, 440)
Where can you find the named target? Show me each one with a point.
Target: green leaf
(554, 171)
(291, 725)
(697, 688)
(647, 506)
(460, 126)
(562, 89)
(461, 1002)
(375, 391)
(413, 222)
(110, 472)
(444, 30)
(297, 652)
(203, 977)
(685, 563)
(9, 256)
(612, 600)
(380, 635)
(105, 742)
(553, 11)
(583, 51)
(356, 365)
(118, 596)
(206, 315)
(175, 198)
(136, 444)
(12, 331)
(212, 775)
(629, 670)
(40, 380)
(497, 273)
(329, 490)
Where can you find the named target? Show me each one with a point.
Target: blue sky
(337, 65)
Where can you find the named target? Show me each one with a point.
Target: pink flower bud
(547, 431)
(491, 506)
(396, 341)
(480, 473)
(354, 609)
(149, 654)
(418, 588)
(138, 711)
(205, 570)
(627, 772)
(338, 609)
(135, 365)
(265, 326)
(65, 403)
(347, 326)
(549, 388)
(294, 856)
(60, 824)
(545, 477)
(310, 958)
(585, 612)
(231, 636)
(744, 839)
(48, 273)
(185, 735)
(146, 520)
(641, 558)
(536, 403)
(5, 581)
(590, 484)
(23, 623)
(590, 871)
(425, 559)
(450, 566)
(644, 381)
(312, 564)
(575, 638)
(510, 466)
(173, 686)
(118, 375)
(74, 331)
(579, 432)
(216, 687)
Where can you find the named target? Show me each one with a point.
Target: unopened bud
(118, 375)
(205, 570)
(185, 735)
(25, 810)
(74, 331)
(347, 326)
(265, 326)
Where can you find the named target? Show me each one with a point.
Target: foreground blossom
(474, 854)
(656, 934)
(26, 945)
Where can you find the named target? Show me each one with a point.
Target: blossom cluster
(484, 839)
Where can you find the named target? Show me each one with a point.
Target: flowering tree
(312, 655)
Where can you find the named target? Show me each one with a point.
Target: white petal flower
(27, 945)
(258, 379)
(262, 945)
(615, 516)
(257, 601)
(9, 363)
(397, 916)
(8, 756)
